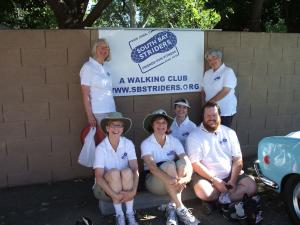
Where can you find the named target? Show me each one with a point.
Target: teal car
(278, 166)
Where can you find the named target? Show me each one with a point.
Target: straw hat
(116, 116)
(150, 117)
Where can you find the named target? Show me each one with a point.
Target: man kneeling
(116, 167)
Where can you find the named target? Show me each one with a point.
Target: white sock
(129, 207)
(180, 208)
(118, 209)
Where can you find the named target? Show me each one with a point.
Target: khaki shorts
(155, 185)
(196, 177)
(100, 194)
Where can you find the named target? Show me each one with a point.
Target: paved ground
(64, 202)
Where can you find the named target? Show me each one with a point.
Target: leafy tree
(159, 13)
(26, 14)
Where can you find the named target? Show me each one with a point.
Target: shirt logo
(185, 134)
(108, 74)
(217, 78)
(124, 155)
(171, 153)
(223, 141)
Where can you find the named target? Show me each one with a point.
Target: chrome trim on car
(262, 178)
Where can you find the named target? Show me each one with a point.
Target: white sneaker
(187, 217)
(120, 220)
(131, 219)
(224, 198)
(171, 215)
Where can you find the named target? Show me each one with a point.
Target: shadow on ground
(63, 203)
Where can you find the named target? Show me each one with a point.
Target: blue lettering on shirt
(171, 153)
(223, 141)
(217, 78)
(185, 134)
(124, 155)
(108, 74)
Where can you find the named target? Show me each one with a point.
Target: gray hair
(214, 52)
(94, 48)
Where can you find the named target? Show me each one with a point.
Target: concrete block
(13, 164)
(256, 136)
(250, 124)
(291, 53)
(40, 161)
(268, 54)
(145, 199)
(25, 111)
(296, 122)
(256, 68)
(243, 136)
(94, 36)
(44, 57)
(233, 54)
(284, 40)
(12, 130)
(66, 109)
(38, 128)
(233, 64)
(62, 74)
(10, 57)
(278, 122)
(60, 159)
(249, 151)
(45, 93)
(63, 173)
(3, 180)
(253, 96)
(10, 94)
(74, 92)
(124, 104)
(29, 146)
(22, 38)
(21, 75)
(266, 81)
(3, 151)
(280, 68)
(218, 39)
(296, 95)
(275, 96)
(31, 177)
(258, 109)
(68, 143)
(78, 56)
(254, 39)
(77, 124)
(67, 38)
(244, 83)
(297, 68)
(288, 82)
(243, 109)
(153, 102)
(288, 108)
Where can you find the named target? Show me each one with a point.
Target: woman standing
(96, 84)
(218, 86)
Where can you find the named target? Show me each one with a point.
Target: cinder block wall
(42, 113)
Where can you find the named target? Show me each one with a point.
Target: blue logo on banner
(159, 43)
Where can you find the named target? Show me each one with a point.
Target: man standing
(216, 157)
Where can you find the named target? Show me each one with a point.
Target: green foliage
(161, 13)
(26, 14)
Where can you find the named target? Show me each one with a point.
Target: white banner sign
(148, 62)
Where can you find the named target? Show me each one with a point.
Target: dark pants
(227, 120)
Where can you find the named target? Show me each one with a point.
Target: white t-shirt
(214, 81)
(97, 77)
(214, 149)
(107, 158)
(181, 132)
(169, 151)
